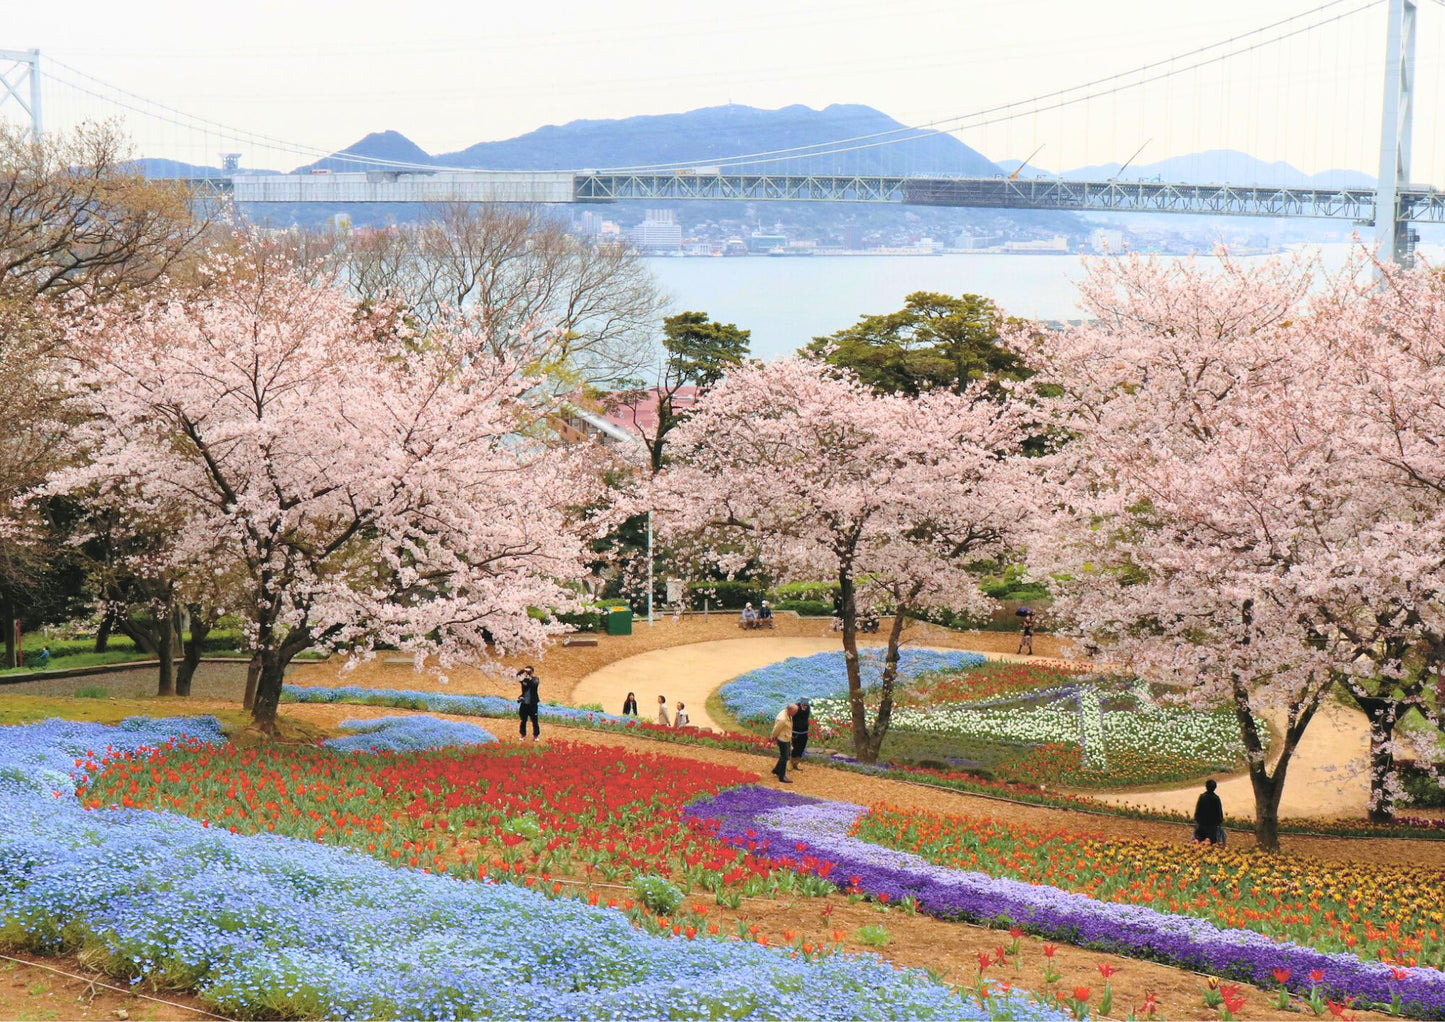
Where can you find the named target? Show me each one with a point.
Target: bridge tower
(17, 68)
(1394, 238)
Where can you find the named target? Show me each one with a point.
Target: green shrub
(92, 692)
(657, 894)
(813, 592)
(729, 594)
(583, 621)
(807, 608)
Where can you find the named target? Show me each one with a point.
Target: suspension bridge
(1392, 207)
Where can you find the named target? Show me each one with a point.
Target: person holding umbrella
(1026, 637)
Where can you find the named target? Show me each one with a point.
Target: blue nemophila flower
(760, 694)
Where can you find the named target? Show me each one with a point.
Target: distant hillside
(387, 146)
(1216, 166)
(699, 138)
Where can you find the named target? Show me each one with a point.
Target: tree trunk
(862, 746)
(1268, 788)
(890, 676)
(102, 633)
(1383, 714)
(274, 662)
(253, 677)
(166, 651)
(194, 644)
(1267, 792)
(268, 692)
(7, 620)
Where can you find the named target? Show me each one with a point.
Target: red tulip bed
(519, 812)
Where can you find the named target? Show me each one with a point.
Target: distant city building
(766, 244)
(589, 224)
(852, 236)
(658, 232)
(1058, 243)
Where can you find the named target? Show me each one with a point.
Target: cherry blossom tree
(1214, 489)
(360, 485)
(1391, 335)
(802, 467)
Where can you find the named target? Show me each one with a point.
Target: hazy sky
(448, 73)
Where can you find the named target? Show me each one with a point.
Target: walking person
(783, 735)
(681, 720)
(662, 717)
(1209, 816)
(801, 720)
(1026, 637)
(629, 705)
(528, 702)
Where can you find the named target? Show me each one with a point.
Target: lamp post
(649, 568)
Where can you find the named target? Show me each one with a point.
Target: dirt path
(1327, 777)
(692, 673)
(562, 667)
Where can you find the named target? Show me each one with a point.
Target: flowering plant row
(496, 706)
(1391, 913)
(767, 819)
(401, 734)
(760, 694)
(262, 926)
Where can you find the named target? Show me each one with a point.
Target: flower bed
(263, 926)
(760, 694)
(499, 810)
(1375, 911)
(771, 820)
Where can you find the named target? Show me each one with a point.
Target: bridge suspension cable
(997, 114)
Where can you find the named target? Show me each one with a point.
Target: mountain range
(751, 140)
(703, 137)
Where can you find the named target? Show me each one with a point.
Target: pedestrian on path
(1209, 816)
(629, 705)
(801, 720)
(783, 735)
(1026, 637)
(681, 720)
(528, 702)
(662, 717)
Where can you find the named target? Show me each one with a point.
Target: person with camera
(528, 702)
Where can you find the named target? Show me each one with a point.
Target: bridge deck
(1358, 204)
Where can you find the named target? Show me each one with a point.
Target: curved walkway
(1327, 779)
(692, 673)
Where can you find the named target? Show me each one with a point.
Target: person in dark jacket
(1209, 816)
(629, 705)
(800, 731)
(528, 702)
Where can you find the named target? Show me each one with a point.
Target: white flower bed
(1193, 734)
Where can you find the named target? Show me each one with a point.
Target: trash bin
(619, 621)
